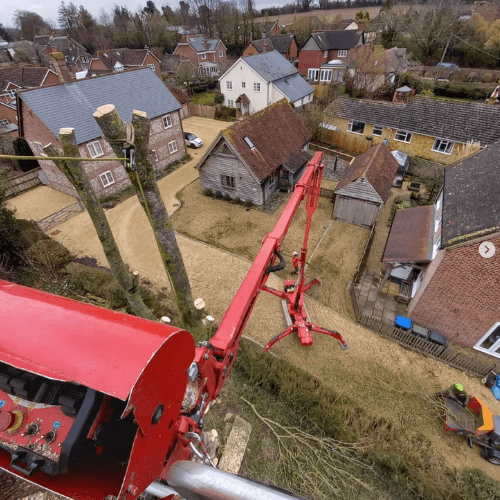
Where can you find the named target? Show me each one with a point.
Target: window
(85, 59)
(107, 178)
(436, 247)
(221, 54)
(228, 182)
(12, 93)
(203, 56)
(325, 54)
(151, 66)
(441, 146)
(256, 87)
(272, 180)
(230, 103)
(167, 121)
(172, 147)
(403, 136)
(326, 75)
(243, 85)
(356, 127)
(4, 122)
(229, 85)
(342, 53)
(249, 142)
(312, 74)
(95, 149)
(490, 343)
(38, 149)
(153, 155)
(377, 130)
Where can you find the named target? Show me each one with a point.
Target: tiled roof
(294, 87)
(471, 205)
(377, 165)
(127, 57)
(281, 43)
(337, 39)
(179, 94)
(201, 44)
(276, 132)
(271, 65)
(296, 160)
(445, 119)
(243, 98)
(24, 77)
(72, 105)
(410, 237)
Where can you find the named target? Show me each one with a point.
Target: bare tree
(76, 174)
(30, 24)
(142, 177)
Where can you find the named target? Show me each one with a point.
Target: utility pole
(446, 48)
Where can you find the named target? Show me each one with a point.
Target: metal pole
(52, 158)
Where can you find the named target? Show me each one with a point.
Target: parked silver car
(192, 141)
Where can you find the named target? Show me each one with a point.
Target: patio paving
(329, 173)
(372, 302)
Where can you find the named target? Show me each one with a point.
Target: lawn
(203, 98)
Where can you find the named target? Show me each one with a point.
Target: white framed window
(436, 247)
(172, 147)
(85, 59)
(95, 149)
(377, 130)
(221, 54)
(151, 66)
(256, 87)
(313, 74)
(356, 127)
(325, 54)
(4, 122)
(167, 121)
(230, 103)
(107, 178)
(38, 149)
(12, 93)
(441, 146)
(403, 136)
(326, 75)
(341, 53)
(153, 155)
(227, 182)
(490, 342)
(203, 56)
(243, 85)
(229, 85)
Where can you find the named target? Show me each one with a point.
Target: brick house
(324, 46)
(366, 186)
(458, 294)
(121, 59)
(286, 45)
(43, 112)
(245, 161)
(209, 55)
(254, 82)
(435, 129)
(75, 55)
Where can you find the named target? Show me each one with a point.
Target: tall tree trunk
(143, 179)
(75, 173)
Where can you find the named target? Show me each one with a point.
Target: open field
(322, 15)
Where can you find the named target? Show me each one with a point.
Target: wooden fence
(22, 181)
(326, 193)
(314, 146)
(447, 354)
(202, 110)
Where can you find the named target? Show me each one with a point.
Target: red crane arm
(221, 351)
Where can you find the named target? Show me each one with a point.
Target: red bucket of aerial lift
(89, 398)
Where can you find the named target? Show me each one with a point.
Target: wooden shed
(365, 187)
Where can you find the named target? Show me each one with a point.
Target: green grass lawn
(203, 98)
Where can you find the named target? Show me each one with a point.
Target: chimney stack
(264, 48)
(60, 67)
